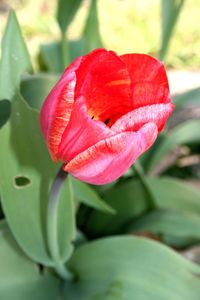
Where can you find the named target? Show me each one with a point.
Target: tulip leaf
(191, 97)
(85, 194)
(177, 228)
(25, 176)
(35, 88)
(19, 277)
(66, 11)
(170, 11)
(127, 268)
(15, 59)
(185, 133)
(5, 108)
(130, 202)
(91, 34)
(50, 56)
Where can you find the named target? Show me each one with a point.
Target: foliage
(164, 207)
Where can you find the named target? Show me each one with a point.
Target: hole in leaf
(22, 181)
(5, 109)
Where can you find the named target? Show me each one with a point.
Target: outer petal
(134, 120)
(110, 158)
(81, 133)
(149, 81)
(56, 110)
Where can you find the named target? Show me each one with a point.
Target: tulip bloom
(104, 112)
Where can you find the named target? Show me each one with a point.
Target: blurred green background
(125, 26)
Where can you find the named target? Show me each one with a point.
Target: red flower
(104, 112)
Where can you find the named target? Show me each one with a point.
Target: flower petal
(81, 133)
(134, 120)
(149, 81)
(104, 81)
(110, 158)
(56, 110)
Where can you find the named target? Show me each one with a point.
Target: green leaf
(131, 202)
(19, 277)
(51, 55)
(85, 194)
(126, 268)
(25, 176)
(170, 11)
(15, 59)
(35, 88)
(191, 97)
(178, 228)
(185, 133)
(91, 34)
(66, 11)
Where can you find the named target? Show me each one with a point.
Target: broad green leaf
(126, 268)
(191, 97)
(25, 176)
(178, 228)
(130, 202)
(66, 11)
(35, 88)
(15, 59)
(91, 34)
(170, 11)
(20, 278)
(85, 194)
(185, 133)
(51, 56)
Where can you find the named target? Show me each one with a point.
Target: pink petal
(81, 133)
(56, 110)
(110, 158)
(157, 113)
(149, 80)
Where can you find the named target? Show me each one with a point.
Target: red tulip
(104, 112)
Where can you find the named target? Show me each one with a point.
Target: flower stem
(52, 233)
(140, 173)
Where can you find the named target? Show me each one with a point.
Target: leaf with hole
(20, 278)
(120, 267)
(25, 176)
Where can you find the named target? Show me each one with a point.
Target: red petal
(104, 81)
(56, 110)
(157, 113)
(149, 82)
(110, 158)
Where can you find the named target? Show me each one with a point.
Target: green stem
(52, 233)
(140, 173)
(65, 51)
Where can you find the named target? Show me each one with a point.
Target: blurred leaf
(181, 228)
(191, 97)
(35, 88)
(5, 108)
(120, 267)
(25, 176)
(51, 56)
(91, 34)
(66, 11)
(15, 59)
(130, 202)
(19, 277)
(85, 194)
(184, 133)
(170, 11)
